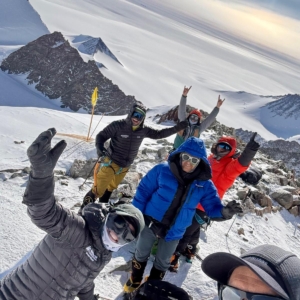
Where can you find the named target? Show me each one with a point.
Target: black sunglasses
(137, 115)
(224, 146)
(227, 292)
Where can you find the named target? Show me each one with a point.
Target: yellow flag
(95, 96)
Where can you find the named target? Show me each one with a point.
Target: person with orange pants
(226, 164)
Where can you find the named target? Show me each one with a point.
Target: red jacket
(225, 170)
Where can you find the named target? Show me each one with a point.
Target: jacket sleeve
(232, 171)
(182, 108)
(163, 133)
(49, 215)
(211, 201)
(209, 120)
(87, 293)
(147, 186)
(108, 132)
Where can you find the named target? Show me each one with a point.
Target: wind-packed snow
(162, 46)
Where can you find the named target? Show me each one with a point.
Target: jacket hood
(232, 143)
(141, 107)
(195, 147)
(128, 210)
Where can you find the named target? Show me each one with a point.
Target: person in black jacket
(76, 248)
(126, 137)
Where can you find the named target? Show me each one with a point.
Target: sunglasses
(193, 160)
(230, 293)
(120, 226)
(137, 115)
(194, 117)
(224, 146)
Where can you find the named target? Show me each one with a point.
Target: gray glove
(249, 151)
(231, 209)
(42, 158)
(182, 125)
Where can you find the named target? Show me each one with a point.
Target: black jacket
(125, 142)
(67, 260)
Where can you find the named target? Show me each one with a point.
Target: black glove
(249, 152)
(42, 158)
(252, 144)
(231, 209)
(182, 125)
(101, 152)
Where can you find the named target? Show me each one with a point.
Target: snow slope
(162, 46)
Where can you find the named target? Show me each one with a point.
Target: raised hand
(220, 102)
(186, 90)
(42, 158)
(252, 144)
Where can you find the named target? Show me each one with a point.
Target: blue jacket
(157, 190)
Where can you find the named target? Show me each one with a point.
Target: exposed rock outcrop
(58, 71)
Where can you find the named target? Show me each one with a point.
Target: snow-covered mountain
(162, 45)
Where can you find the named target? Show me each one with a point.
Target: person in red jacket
(226, 164)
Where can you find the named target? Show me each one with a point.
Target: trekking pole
(231, 225)
(81, 186)
(236, 214)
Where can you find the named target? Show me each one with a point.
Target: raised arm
(182, 104)
(212, 116)
(43, 210)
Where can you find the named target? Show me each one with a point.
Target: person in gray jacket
(76, 248)
(195, 127)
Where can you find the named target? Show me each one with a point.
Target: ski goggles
(230, 293)
(121, 227)
(192, 159)
(138, 115)
(194, 118)
(224, 146)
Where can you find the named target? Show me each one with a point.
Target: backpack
(252, 175)
(159, 290)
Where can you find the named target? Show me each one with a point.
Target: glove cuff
(38, 190)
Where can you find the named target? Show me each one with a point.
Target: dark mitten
(182, 125)
(249, 151)
(231, 209)
(42, 158)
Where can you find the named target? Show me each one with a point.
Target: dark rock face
(59, 72)
(287, 106)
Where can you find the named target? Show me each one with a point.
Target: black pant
(192, 233)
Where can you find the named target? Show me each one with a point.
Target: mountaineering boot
(189, 252)
(136, 277)
(174, 262)
(156, 274)
(88, 198)
(105, 197)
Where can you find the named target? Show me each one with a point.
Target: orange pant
(107, 176)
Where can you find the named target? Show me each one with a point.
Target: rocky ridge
(58, 71)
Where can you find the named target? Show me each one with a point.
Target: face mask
(108, 243)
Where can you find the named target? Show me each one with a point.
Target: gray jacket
(67, 260)
(203, 125)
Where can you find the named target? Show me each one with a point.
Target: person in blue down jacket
(167, 196)
(76, 248)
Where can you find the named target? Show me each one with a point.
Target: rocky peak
(287, 106)
(58, 71)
